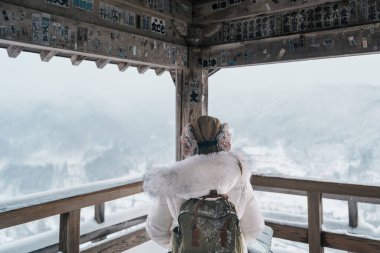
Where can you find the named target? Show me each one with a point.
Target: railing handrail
(59, 194)
(67, 204)
(72, 201)
(40, 206)
(316, 185)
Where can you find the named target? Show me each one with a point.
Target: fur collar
(195, 176)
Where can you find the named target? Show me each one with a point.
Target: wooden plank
(120, 15)
(331, 15)
(178, 10)
(38, 31)
(77, 59)
(353, 214)
(14, 51)
(351, 243)
(120, 244)
(308, 185)
(325, 195)
(99, 234)
(287, 232)
(99, 212)
(46, 56)
(123, 66)
(159, 72)
(315, 220)
(69, 232)
(143, 69)
(65, 205)
(207, 12)
(101, 63)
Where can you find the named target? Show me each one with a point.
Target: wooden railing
(69, 210)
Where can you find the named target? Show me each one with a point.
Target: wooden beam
(101, 63)
(287, 232)
(46, 55)
(332, 43)
(351, 243)
(159, 72)
(14, 51)
(99, 234)
(120, 244)
(207, 12)
(325, 195)
(69, 232)
(132, 16)
(305, 185)
(142, 69)
(66, 205)
(325, 16)
(123, 66)
(38, 31)
(76, 59)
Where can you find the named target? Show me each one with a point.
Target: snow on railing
(67, 203)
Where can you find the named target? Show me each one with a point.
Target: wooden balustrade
(69, 210)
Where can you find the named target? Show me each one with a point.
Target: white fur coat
(171, 185)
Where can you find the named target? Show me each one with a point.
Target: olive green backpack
(208, 225)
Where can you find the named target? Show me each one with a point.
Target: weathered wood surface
(66, 205)
(325, 195)
(38, 31)
(206, 12)
(69, 232)
(350, 243)
(191, 95)
(134, 16)
(287, 232)
(344, 189)
(328, 239)
(99, 212)
(332, 43)
(99, 234)
(353, 213)
(315, 220)
(325, 16)
(120, 244)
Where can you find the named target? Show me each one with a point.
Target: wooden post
(353, 213)
(315, 218)
(69, 232)
(191, 95)
(353, 219)
(99, 213)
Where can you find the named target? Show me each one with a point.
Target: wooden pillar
(191, 95)
(69, 232)
(353, 213)
(315, 220)
(99, 212)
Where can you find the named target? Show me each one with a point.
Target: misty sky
(26, 79)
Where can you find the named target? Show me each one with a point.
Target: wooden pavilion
(193, 40)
